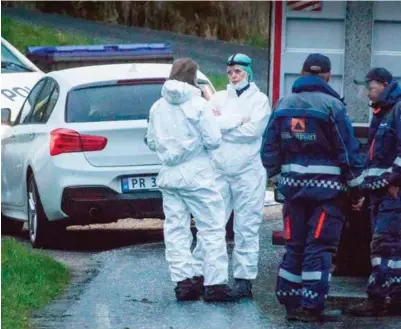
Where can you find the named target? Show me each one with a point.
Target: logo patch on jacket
(298, 125)
(298, 131)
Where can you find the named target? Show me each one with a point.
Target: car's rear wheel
(38, 225)
(9, 226)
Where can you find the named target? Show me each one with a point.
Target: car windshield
(117, 102)
(10, 63)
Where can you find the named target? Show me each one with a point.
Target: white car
(76, 153)
(18, 75)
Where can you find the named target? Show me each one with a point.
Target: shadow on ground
(94, 240)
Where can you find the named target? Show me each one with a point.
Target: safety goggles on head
(234, 60)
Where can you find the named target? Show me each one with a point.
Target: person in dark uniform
(310, 144)
(383, 180)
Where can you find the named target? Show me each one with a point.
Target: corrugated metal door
(386, 46)
(298, 33)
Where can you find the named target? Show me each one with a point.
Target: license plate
(138, 183)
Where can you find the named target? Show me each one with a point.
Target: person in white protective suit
(181, 132)
(242, 112)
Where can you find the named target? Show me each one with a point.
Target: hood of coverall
(178, 92)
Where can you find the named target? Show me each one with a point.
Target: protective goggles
(232, 61)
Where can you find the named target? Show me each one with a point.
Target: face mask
(240, 85)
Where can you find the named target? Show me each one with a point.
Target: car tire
(10, 226)
(38, 225)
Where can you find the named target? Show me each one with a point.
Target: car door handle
(31, 135)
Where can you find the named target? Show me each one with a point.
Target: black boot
(369, 307)
(200, 280)
(243, 288)
(305, 315)
(219, 293)
(188, 290)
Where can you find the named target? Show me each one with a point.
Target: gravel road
(129, 288)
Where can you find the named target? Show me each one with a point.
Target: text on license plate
(139, 183)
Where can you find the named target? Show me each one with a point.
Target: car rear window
(117, 102)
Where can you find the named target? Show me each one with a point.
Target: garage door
(297, 33)
(386, 45)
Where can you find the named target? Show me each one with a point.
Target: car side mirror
(5, 116)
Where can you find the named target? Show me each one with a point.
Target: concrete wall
(358, 55)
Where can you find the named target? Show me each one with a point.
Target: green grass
(257, 41)
(219, 81)
(21, 35)
(29, 280)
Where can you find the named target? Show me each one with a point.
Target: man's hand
(394, 191)
(216, 112)
(357, 204)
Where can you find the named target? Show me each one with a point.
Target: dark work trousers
(385, 280)
(312, 231)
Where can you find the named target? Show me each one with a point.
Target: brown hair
(184, 69)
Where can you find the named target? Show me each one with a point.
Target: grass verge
(21, 35)
(219, 81)
(29, 280)
(257, 41)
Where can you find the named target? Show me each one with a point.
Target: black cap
(317, 63)
(379, 74)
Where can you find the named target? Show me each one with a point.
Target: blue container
(52, 58)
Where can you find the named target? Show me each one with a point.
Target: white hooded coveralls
(241, 176)
(180, 131)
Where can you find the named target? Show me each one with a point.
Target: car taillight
(67, 141)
